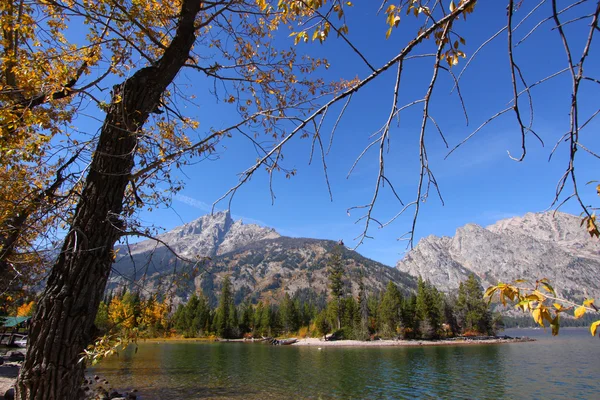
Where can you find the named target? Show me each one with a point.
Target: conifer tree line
(426, 314)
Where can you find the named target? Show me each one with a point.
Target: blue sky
(479, 182)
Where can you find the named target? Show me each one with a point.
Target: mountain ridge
(537, 245)
(262, 264)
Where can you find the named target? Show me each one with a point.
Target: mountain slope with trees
(262, 265)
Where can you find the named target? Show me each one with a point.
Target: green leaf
(555, 326)
(548, 287)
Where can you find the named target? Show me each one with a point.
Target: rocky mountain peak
(537, 245)
(260, 262)
(207, 236)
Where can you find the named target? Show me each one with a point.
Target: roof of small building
(11, 322)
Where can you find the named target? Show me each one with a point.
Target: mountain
(266, 269)
(208, 236)
(549, 245)
(262, 264)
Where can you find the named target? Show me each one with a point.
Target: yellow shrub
(303, 332)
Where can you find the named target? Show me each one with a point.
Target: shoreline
(317, 342)
(359, 343)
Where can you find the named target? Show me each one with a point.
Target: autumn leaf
(579, 311)
(593, 327)
(537, 316)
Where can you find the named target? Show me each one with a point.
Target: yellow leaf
(588, 302)
(315, 34)
(579, 311)
(490, 291)
(452, 6)
(546, 315)
(593, 327)
(537, 316)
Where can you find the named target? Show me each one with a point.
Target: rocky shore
(10, 363)
(408, 343)
(93, 388)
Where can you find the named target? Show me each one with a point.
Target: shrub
(303, 332)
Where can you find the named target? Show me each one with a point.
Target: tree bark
(63, 324)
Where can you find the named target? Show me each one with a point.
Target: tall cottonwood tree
(63, 323)
(102, 179)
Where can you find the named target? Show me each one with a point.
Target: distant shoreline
(319, 342)
(316, 342)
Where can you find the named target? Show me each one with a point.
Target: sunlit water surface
(551, 368)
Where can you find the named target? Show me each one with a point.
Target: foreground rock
(93, 388)
(10, 363)
(8, 376)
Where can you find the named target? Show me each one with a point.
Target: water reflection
(562, 368)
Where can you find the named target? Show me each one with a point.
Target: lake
(566, 367)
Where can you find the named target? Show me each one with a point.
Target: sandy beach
(407, 343)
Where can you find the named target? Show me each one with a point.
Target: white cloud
(192, 202)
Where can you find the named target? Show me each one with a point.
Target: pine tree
(136, 305)
(288, 314)
(232, 322)
(389, 310)
(191, 326)
(429, 309)
(226, 307)
(266, 320)
(409, 317)
(472, 310)
(179, 318)
(335, 270)
(363, 311)
(450, 314)
(246, 318)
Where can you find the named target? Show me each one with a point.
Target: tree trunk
(63, 324)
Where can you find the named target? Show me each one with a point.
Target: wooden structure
(13, 329)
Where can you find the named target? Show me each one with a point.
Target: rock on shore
(93, 388)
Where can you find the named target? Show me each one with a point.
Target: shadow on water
(258, 371)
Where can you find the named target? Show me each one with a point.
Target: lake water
(551, 368)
